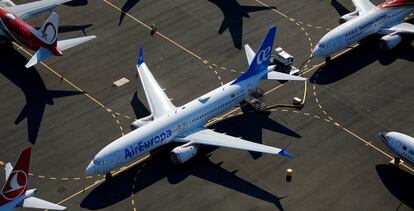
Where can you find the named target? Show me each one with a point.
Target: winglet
(140, 57)
(285, 153)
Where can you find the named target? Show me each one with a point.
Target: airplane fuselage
(359, 28)
(164, 129)
(401, 144)
(17, 30)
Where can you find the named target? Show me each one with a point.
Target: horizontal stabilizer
(39, 56)
(36, 203)
(273, 75)
(27, 10)
(249, 53)
(66, 44)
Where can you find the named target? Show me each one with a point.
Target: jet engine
(348, 17)
(6, 3)
(389, 42)
(182, 154)
(141, 122)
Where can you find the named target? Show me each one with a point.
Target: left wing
(209, 137)
(403, 28)
(24, 11)
(363, 6)
(36, 203)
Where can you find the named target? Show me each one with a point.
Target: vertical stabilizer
(261, 60)
(49, 31)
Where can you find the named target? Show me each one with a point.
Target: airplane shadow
(233, 14)
(399, 182)
(76, 3)
(160, 167)
(139, 108)
(35, 91)
(129, 4)
(339, 8)
(361, 56)
(249, 126)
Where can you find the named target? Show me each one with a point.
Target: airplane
(401, 144)
(15, 194)
(385, 19)
(185, 124)
(43, 41)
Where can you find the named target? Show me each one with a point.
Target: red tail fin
(16, 183)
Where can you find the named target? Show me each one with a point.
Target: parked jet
(400, 144)
(43, 41)
(386, 19)
(15, 194)
(185, 124)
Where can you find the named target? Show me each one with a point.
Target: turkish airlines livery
(385, 19)
(401, 144)
(15, 194)
(43, 41)
(185, 124)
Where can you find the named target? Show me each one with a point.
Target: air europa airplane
(385, 19)
(185, 124)
(43, 41)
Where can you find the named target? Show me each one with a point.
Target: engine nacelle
(6, 3)
(389, 42)
(348, 17)
(182, 154)
(141, 122)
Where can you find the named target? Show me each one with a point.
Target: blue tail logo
(260, 61)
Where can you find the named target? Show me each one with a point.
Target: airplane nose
(90, 170)
(383, 136)
(316, 52)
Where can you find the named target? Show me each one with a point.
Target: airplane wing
(209, 137)
(363, 5)
(36, 203)
(158, 101)
(8, 169)
(24, 11)
(405, 28)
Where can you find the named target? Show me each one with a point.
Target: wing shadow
(160, 167)
(339, 8)
(76, 3)
(129, 4)
(35, 91)
(360, 57)
(399, 182)
(249, 126)
(233, 14)
(139, 108)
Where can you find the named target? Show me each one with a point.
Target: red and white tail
(16, 182)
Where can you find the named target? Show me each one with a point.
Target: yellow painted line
(76, 178)
(223, 68)
(102, 180)
(52, 178)
(1, 163)
(41, 176)
(307, 114)
(30, 174)
(64, 178)
(158, 33)
(88, 177)
(318, 117)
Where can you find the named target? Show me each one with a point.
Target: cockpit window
(322, 45)
(10, 16)
(98, 162)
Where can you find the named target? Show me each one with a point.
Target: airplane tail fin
(260, 61)
(16, 183)
(48, 34)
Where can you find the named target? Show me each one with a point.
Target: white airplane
(400, 144)
(43, 41)
(15, 194)
(386, 19)
(185, 124)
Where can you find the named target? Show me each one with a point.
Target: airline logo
(144, 145)
(392, 4)
(17, 185)
(49, 33)
(263, 55)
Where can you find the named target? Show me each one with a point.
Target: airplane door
(118, 157)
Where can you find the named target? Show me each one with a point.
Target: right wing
(363, 6)
(158, 101)
(36, 203)
(24, 11)
(209, 137)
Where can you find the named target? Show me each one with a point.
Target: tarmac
(68, 108)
